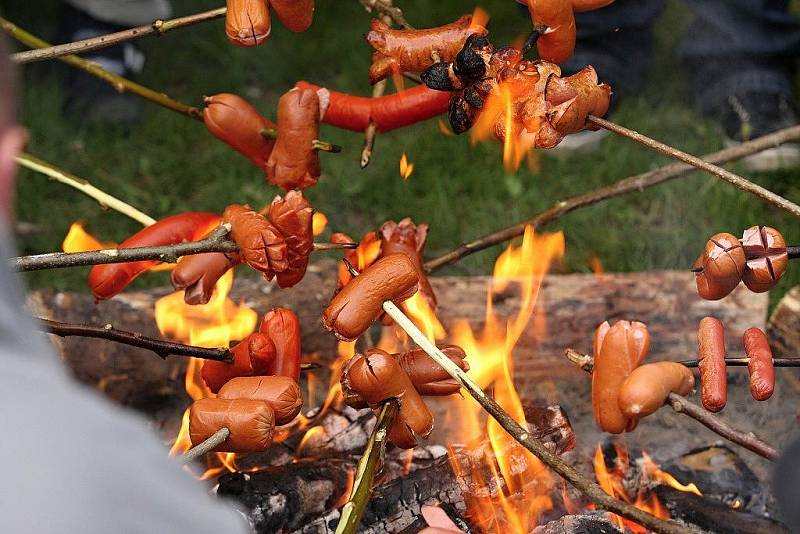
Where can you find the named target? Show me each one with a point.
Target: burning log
(578, 524)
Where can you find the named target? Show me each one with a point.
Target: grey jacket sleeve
(75, 463)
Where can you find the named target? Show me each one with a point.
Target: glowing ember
(319, 222)
(406, 168)
(79, 240)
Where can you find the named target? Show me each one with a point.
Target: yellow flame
(406, 168)
(319, 222)
(79, 240)
(655, 473)
(480, 17)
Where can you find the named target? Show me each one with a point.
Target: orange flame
(79, 240)
(215, 324)
(319, 222)
(444, 128)
(526, 480)
(406, 168)
(655, 473)
(480, 18)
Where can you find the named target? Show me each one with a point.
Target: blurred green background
(166, 163)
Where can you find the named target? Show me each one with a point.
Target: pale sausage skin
(713, 372)
(760, 364)
(280, 392)
(360, 302)
(247, 22)
(377, 377)
(251, 423)
(620, 349)
(647, 387)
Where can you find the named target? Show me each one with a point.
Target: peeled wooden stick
(748, 440)
(368, 465)
(209, 444)
(157, 27)
(590, 489)
(103, 198)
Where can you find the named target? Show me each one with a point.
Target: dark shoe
(750, 115)
(87, 96)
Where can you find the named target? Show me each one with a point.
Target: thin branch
(734, 179)
(368, 465)
(161, 347)
(631, 184)
(209, 444)
(748, 440)
(385, 8)
(316, 144)
(216, 242)
(157, 27)
(117, 82)
(103, 198)
(742, 362)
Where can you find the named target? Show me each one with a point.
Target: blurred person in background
(83, 19)
(739, 55)
(75, 462)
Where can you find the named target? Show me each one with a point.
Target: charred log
(591, 523)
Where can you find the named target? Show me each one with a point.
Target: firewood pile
(362, 394)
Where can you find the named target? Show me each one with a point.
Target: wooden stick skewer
(742, 362)
(590, 489)
(213, 441)
(748, 440)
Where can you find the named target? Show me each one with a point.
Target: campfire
(356, 393)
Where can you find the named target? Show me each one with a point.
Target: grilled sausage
(407, 238)
(235, 122)
(198, 274)
(294, 163)
(558, 42)
(377, 377)
(359, 303)
(724, 259)
(647, 387)
(107, 280)
(282, 326)
(296, 15)
(247, 22)
(711, 355)
(574, 98)
(710, 288)
(261, 245)
(622, 348)
(280, 392)
(254, 355)
(368, 250)
(413, 50)
(760, 365)
(767, 258)
(251, 423)
(294, 218)
(579, 6)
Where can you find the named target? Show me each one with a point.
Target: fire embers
(371, 379)
(397, 51)
(623, 390)
(759, 260)
(713, 368)
(247, 22)
(294, 163)
(508, 95)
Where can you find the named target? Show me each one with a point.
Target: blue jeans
(732, 47)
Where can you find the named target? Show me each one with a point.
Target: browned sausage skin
(280, 392)
(767, 258)
(247, 22)
(260, 244)
(760, 364)
(254, 355)
(408, 238)
(620, 349)
(647, 387)
(711, 356)
(251, 423)
(294, 163)
(360, 302)
(198, 274)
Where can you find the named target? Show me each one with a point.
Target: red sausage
(282, 326)
(760, 366)
(296, 15)
(107, 280)
(713, 375)
(231, 119)
(387, 112)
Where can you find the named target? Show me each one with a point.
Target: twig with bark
(209, 444)
(748, 440)
(732, 178)
(368, 465)
(215, 242)
(161, 347)
(117, 82)
(387, 9)
(587, 487)
(631, 184)
(104, 199)
(157, 27)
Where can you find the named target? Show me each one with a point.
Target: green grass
(167, 163)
